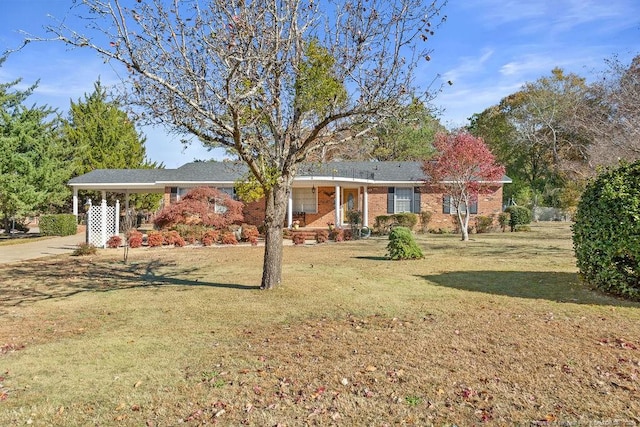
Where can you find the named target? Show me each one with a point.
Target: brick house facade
(321, 193)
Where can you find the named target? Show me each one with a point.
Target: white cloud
(469, 66)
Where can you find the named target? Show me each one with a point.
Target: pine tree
(33, 172)
(104, 137)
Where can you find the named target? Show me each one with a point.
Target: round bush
(518, 215)
(402, 245)
(606, 233)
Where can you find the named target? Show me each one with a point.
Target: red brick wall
(431, 200)
(488, 204)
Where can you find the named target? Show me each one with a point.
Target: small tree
(202, 206)
(464, 168)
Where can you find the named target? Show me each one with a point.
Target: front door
(349, 202)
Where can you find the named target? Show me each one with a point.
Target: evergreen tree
(33, 172)
(104, 137)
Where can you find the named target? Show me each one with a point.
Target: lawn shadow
(39, 280)
(548, 285)
(374, 258)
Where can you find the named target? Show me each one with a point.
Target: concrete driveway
(39, 248)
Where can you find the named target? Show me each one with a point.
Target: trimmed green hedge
(58, 225)
(606, 233)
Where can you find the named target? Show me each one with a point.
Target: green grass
(497, 329)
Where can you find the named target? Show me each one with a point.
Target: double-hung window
(304, 200)
(449, 206)
(403, 199)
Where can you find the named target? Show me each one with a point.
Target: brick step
(309, 234)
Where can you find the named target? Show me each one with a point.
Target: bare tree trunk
(464, 225)
(275, 212)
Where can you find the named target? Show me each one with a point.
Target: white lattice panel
(102, 223)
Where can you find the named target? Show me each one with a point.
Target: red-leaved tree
(202, 206)
(463, 167)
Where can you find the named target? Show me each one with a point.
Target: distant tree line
(557, 132)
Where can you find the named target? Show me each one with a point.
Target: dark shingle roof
(118, 176)
(227, 172)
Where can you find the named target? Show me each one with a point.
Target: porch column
(117, 218)
(103, 220)
(337, 207)
(290, 210)
(365, 207)
(75, 202)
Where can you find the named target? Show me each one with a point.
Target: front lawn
(497, 330)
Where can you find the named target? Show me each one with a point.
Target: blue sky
(487, 48)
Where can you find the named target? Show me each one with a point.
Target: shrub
(58, 225)
(354, 217)
(607, 229)
(228, 238)
(484, 224)
(402, 245)
(518, 215)
(172, 237)
(405, 219)
(337, 234)
(425, 219)
(503, 220)
(382, 223)
(190, 233)
(210, 237)
(201, 206)
(298, 238)
(114, 242)
(155, 239)
(322, 236)
(134, 238)
(85, 249)
(250, 234)
(347, 234)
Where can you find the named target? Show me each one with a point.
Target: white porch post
(117, 219)
(365, 207)
(103, 220)
(290, 210)
(337, 206)
(75, 202)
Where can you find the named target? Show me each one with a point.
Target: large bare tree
(611, 114)
(272, 80)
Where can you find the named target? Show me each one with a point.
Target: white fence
(102, 222)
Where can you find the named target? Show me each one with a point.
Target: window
(403, 199)
(404, 196)
(449, 206)
(220, 208)
(304, 200)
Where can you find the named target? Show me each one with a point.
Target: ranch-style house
(322, 192)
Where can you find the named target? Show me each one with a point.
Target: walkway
(40, 248)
